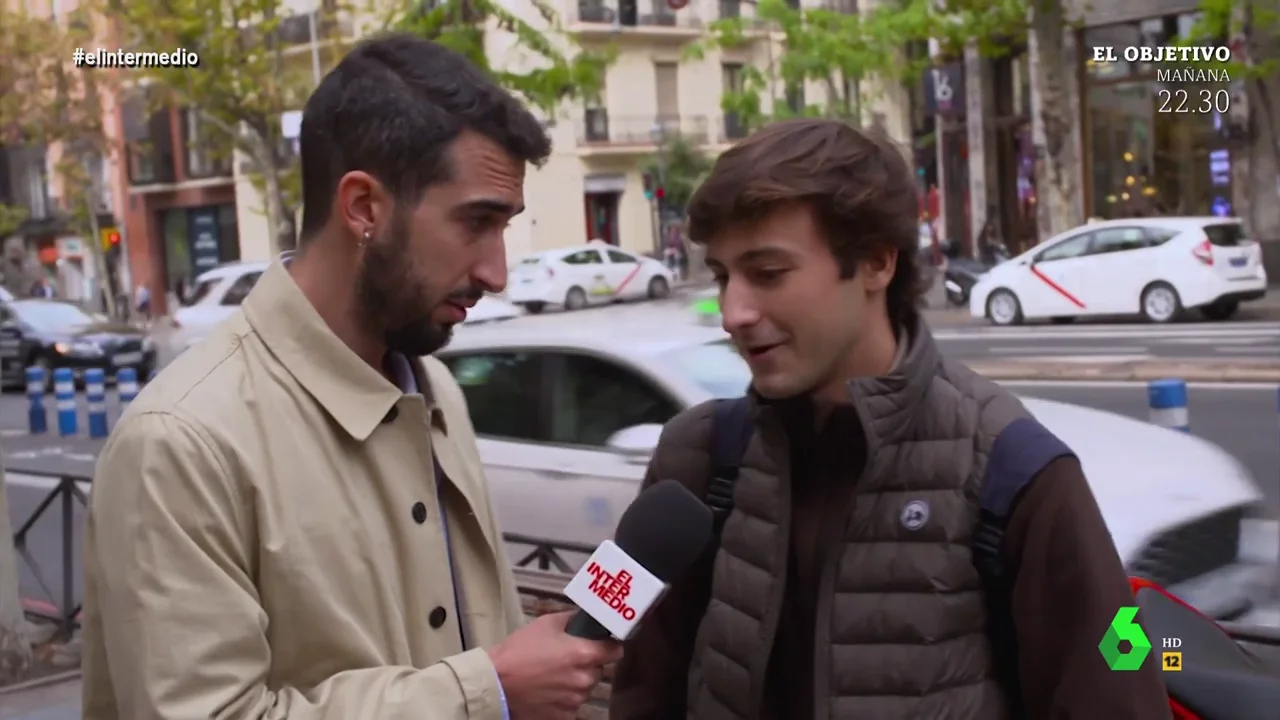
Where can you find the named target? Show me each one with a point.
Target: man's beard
(393, 301)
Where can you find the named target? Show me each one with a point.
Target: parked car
(55, 334)
(218, 293)
(568, 418)
(1154, 267)
(591, 274)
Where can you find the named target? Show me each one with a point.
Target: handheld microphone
(660, 535)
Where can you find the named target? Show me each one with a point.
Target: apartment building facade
(592, 187)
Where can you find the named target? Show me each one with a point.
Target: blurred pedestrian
(855, 577)
(291, 521)
(142, 301)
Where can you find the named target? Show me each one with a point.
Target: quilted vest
(900, 615)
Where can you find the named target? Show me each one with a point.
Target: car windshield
(717, 367)
(51, 316)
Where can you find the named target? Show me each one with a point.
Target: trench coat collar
(357, 396)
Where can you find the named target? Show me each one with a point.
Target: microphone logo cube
(614, 589)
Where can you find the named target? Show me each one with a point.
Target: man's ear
(878, 268)
(362, 203)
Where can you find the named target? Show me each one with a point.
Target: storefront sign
(944, 90)
(204, 239)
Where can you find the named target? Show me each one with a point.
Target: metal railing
(542, 572)
(65, 493)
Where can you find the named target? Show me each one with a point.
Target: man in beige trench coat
(291, 521)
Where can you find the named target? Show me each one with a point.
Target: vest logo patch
(915, 514)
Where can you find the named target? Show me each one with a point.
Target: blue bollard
(64, 394)
(1167, 402)
(37, 420)
(126, 385)
(95, 395)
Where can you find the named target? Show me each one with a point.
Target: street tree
(256, 63)
(681, 167)
(1251, 28)
(46, 102)
(844, 53)
(544, 68)
(1057, 171)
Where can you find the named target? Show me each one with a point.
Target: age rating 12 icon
(1123, 628)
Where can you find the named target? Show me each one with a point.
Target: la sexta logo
(613, 589)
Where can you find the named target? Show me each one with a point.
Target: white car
(1153, 267)
(591, 274)
(567, 420)
(218, 293)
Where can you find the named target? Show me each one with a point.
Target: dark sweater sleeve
(1070, 583)
(651, 680)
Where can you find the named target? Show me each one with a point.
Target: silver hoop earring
(365, 240)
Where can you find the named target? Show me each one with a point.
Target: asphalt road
(1243, 341)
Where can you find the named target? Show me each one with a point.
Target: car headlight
(148, 344)
(78, 348)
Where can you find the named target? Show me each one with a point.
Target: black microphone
(659, 537)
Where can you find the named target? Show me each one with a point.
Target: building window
(1144, 161)
(730, 8)
(151, 150)
(795, 98)
(202, 162)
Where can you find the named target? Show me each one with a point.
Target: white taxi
(567, 418)
(1154, 267)
(591, 274)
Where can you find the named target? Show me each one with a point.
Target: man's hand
(548, 674)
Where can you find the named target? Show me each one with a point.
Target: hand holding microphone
(549, 667)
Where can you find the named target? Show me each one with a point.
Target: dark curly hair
(857, 182)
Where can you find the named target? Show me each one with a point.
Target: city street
(1114, 343)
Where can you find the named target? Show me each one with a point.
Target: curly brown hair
(857, 182)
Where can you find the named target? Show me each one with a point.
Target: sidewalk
(53, 701)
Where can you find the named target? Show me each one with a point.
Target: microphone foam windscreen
(665, 529)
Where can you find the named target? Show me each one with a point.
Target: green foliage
(11, 217)
(1258, 23)
(842, 51)
(248, 77)
(683, 167)
(560, 71)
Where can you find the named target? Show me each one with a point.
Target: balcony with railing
(601, 134)
(632, 20)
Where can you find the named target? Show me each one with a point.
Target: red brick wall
(598, 707)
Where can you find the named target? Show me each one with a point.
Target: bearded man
(291, 521)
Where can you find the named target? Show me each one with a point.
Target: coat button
(437, 618)
(391, 415)
(419, 513)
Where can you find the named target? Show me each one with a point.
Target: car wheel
(535, 307)
(1220, 311)
(1160, 303)
(1003, 308)
(575, 299)
(658, 288)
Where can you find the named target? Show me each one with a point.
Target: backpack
(1032, 447)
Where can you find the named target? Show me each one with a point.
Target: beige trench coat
(255, 546)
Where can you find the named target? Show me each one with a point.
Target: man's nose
(738, 309)
(491, 272)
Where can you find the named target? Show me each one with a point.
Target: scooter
(962, 273)
(1220, 673)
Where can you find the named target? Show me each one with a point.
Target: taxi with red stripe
(593, 274)
(1159, 268)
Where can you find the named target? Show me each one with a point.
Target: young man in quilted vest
(900, 539)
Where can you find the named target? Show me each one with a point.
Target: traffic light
(660, 193)
(110, 238)
(648, 186)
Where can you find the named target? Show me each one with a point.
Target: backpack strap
(1019, 453)
(731, 430)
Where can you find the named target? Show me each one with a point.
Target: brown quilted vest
(900, 615)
